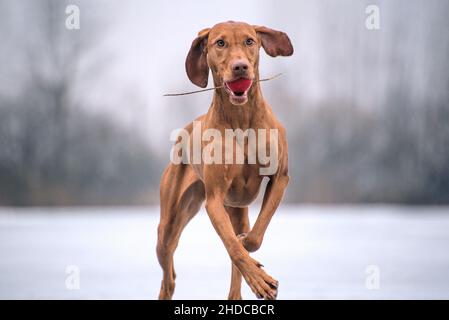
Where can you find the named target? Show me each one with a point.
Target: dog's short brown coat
(227, 189)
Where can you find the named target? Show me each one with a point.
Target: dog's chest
(243, 189)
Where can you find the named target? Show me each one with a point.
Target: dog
(231, 51)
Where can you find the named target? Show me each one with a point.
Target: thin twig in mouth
(208, 89)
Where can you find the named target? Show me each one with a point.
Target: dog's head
(231, 51)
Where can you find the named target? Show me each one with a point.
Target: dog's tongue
(239, 85)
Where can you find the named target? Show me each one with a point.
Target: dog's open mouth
(238, 90)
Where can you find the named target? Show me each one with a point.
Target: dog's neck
(238, 116)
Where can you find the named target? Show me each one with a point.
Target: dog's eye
(220, 43)
(249, 42)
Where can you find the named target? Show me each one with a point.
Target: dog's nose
(239, 67)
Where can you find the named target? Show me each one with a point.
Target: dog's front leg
(272, 198)
(263, 285)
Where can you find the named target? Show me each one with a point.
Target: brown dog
(231, 51)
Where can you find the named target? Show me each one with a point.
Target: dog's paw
(262, 284)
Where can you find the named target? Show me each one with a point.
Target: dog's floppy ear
(196, 61)
(275, 43)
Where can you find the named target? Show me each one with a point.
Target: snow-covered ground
(315, 252)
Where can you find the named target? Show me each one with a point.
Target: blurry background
(83, 122)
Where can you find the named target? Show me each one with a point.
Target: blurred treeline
(53, 150)
(379, 129)
(367, 112)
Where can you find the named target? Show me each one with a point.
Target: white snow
(316, 252)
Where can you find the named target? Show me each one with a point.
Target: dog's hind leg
(181, 197)
(240, 223)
